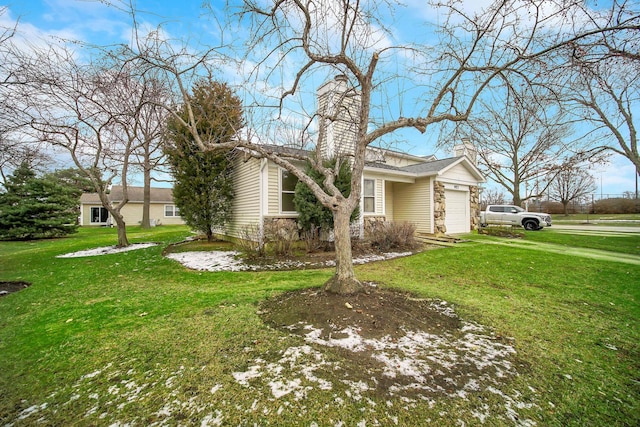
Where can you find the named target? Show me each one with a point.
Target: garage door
(457, 218)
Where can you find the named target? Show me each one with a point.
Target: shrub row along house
(437, 196)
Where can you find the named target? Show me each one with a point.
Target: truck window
(496, 209)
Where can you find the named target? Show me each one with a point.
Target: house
(161, 211)
(438, 196)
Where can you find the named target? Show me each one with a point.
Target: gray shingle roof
(136, 195)
(430, 167)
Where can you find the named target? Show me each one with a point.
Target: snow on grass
(232, 261)
(417, 366)
(106, 250)
(210, 260)
(226, 260)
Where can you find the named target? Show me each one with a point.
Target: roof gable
(441, 167)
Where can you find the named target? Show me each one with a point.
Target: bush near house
(386, 236)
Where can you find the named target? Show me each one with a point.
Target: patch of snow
(210, 420)
(230, 261)
(106, 250)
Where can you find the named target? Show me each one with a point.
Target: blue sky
(94, 22)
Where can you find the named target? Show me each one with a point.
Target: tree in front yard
(33, 207)
(393, 84)
(203, 189)
(313, 214)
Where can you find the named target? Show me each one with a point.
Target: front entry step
(442, 240)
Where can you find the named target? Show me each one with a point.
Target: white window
(171, 210)
(288, 183)
(99, 215)
(369, 195)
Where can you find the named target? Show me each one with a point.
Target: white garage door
(457, 218)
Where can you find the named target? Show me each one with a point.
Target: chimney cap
(340, 78)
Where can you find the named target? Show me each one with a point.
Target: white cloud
(616, 177)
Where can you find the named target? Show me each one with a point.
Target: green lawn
(134, 338)
(628, 243)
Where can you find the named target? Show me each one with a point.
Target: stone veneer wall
(439, 208)
(474, 200)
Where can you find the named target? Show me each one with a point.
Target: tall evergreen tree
(203, 189)
(75, 178)
(33, 207)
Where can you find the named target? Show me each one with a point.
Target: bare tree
(523, 140)
(148, 100)
(600, 80)
(15, 147)
(347, 38)
(607, 94)
(572, 183)
(149, 154)
(86, 109)
(492, 197)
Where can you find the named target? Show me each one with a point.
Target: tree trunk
(565, 204)
(146, 220)
(122, 229)
(344, 281)
(209, 235)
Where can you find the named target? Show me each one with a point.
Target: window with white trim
(99, 215)
(288, 183)
(369, 195)
(171, 211)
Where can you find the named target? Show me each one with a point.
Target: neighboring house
(438, 196)
(161, 210)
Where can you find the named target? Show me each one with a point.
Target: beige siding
(411, 202)
(273, 195)
(86, 214)
(388, 189)
(460, 173)
(156, 212)
(132, 214)
(246, 203)
(399, 161)
(379, 196)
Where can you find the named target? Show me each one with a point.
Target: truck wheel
(530, 225)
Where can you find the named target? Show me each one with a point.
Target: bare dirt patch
(393, 344)
(8, 287)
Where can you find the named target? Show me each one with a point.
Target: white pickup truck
(514, 215)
